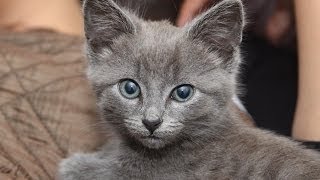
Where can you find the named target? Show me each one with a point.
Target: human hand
(189, 9)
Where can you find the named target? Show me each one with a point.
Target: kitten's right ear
(104, 21)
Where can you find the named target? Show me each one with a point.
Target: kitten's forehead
(163, 48)
(157, 40)
(162, 31)
(157, 47)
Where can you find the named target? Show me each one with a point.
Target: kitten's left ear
(220, 28)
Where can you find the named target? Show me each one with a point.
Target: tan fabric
(46, 107)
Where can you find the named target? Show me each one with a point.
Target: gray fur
(198, 139)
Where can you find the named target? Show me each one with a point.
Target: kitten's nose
(152, 124)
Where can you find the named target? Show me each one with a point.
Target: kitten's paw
(85, 167)
(73, 168)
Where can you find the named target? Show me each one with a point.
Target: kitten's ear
(104, 21)
(220, 27)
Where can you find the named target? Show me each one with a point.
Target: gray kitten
(165, 91)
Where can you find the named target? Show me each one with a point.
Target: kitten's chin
(152, 142)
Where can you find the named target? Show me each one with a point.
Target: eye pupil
(182, 93)
(130, 87)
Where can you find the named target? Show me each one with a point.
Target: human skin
(307, 118)
(189, 9)
(59, 15)
(306, 125)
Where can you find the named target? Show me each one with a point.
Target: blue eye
(129, 89)
(182, 93)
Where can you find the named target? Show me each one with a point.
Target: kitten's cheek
(170, 127)
(137, 131)
(135, 127)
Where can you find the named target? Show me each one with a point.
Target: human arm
(63, 16)
(307, 117)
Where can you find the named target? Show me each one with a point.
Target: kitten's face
(159, 84)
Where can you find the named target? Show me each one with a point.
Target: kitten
(165, 92)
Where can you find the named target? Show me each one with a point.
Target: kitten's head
(158, 84)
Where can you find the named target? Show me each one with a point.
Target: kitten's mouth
(151, 136)
(152, 141)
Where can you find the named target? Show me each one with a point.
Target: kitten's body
(198, 139)
(246, 153)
